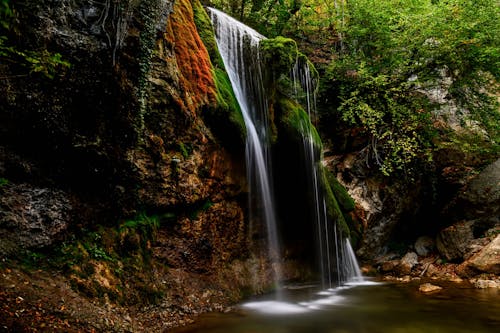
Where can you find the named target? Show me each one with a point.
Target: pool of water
(365, 308)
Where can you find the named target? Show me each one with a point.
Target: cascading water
(335, 251)
(238, 47)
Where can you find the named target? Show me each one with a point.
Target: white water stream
(238, 46)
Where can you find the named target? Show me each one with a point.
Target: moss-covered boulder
(294, 123)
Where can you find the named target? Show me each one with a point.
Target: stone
(388, 266)
(485, 284)
(407, 263)
(453, 241)
(428, 288)
(32, 217)
(480, 198)
(424, 245)
(488, 259)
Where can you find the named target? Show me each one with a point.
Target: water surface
(384, 308)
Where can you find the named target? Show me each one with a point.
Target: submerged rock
(428, 288)
(485, 284)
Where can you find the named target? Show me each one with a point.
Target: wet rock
(428, 288)
(389, 266)
(32, 217)
(485, 284)
(487, 260)
(452, 242)
(407, 263)
(424, 245)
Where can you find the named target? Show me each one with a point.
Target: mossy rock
(279, 54)
(332, 207)
(345, 201)
(205, 30)
(296, 123)
(224, 118)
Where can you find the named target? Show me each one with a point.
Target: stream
(364, 308)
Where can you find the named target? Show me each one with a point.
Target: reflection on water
(384, 308)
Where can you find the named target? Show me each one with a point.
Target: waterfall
(334, 250)
(238, 47)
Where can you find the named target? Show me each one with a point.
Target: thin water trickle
(331, 244)
(238, 47)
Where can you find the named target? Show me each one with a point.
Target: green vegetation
(382, 62)
(3, 182)
(393, 52)
(295, 122)
(120, 255)
(225, 117)
(36, 61)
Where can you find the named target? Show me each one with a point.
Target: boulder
(487, 260)
(453, 241)
(406, 264)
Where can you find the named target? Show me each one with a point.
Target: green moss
(344, 199)
(225, 117)
(332, 207)
(279, 54)
(205, 30)
(295, 121)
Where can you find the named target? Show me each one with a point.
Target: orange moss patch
(193, 61)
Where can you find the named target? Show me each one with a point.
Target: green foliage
(6, 14)
(36, 61)
(227, 102)
(391, 113)
(205, 30)
(385, 55)
(393, 51)
(3, 182)
(227, 113)
(145, 224)
(185, 149)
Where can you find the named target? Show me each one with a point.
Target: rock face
(453, 242)
(120, 134)
(135, 154)
(34, 217)
(381, 205)
(123, 130)
(480, 198)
